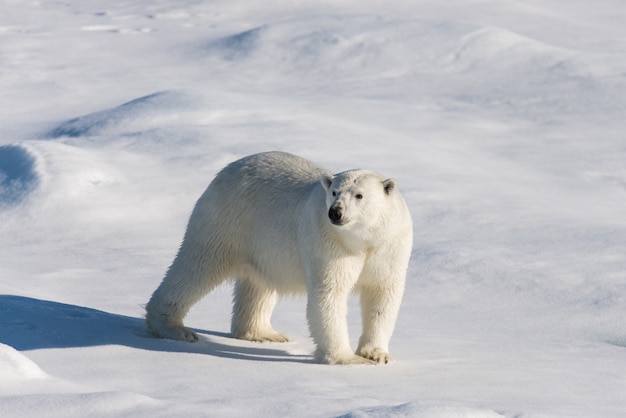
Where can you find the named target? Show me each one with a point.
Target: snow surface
(504, 122)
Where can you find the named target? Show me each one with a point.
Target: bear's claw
(377, 355)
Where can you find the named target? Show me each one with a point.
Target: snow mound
(416, 410)
(74, 170)
(14, 365)
(18, 174)
(503, 49)
(166, 108)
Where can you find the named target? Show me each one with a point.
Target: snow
(502, 121)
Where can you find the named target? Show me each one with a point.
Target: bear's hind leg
(252, 309)
(183, 286)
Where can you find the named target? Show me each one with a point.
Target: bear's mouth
(339, 222)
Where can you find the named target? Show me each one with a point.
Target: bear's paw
(180, 333)
(268, 336)
(342, 359)
(376, 355)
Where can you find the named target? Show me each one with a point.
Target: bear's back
(273, 166)
(270, 175)
(263, 191)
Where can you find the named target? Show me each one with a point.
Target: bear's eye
(334, 193)
(359, 196)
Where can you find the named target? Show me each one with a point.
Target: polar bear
(279, 224)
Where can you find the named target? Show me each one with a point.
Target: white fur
(265, 220)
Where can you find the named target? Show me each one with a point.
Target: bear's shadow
(30, 324)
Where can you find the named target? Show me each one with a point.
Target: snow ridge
(158, 109)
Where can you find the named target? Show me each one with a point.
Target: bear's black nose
(335, 215)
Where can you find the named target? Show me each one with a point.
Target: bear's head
(357, 198)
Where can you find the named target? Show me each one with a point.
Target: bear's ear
(326, 180)
(390, 185)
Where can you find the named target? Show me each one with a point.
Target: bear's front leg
(327, 317)
(379, 310)
(327, 310)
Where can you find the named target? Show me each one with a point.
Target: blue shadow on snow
(18, 175)
(30, 324)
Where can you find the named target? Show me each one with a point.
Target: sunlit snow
(504, 123)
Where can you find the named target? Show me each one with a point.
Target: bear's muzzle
(336, 216)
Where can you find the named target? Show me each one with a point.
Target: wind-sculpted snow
(414, 58)
(18, 174)
(349, 47)
(145, 113)
(373, 47)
